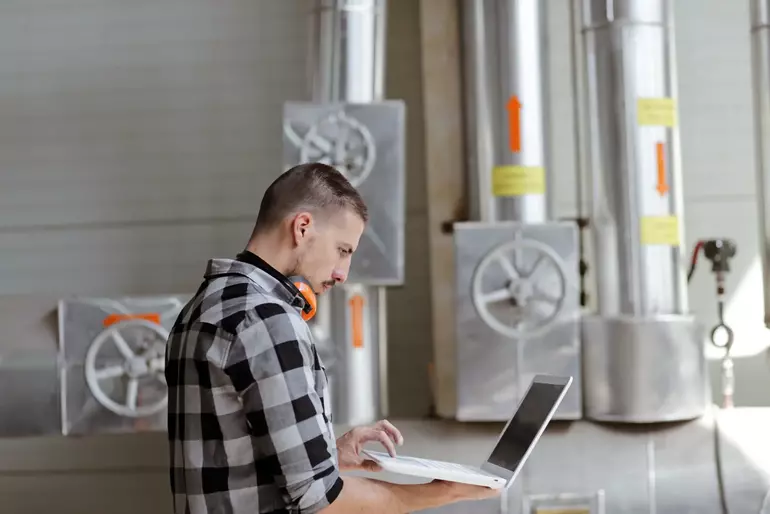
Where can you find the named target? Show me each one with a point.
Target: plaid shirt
(249, 421)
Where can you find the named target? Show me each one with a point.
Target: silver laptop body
(511, 451)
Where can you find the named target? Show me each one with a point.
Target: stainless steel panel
(112, 359)
(644, 370)
(517, 314)
(661, 469)
(367, 143)
(597, 468)
(29, 378)
(29, 404)
(348, 333)
(506, 72)
(632, 60)
(760, 33)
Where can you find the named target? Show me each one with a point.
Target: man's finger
(384, 438)
(392, 431)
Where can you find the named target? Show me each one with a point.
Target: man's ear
(300, 226)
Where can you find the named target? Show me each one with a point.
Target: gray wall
(137, 137)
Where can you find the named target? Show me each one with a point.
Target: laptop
(511, 451)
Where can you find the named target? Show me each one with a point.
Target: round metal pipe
(760, 40)
(347, 55)
(637, 222)
(347, 64)
(507, 116)
(637, 204)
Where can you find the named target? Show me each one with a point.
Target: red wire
(694, 259)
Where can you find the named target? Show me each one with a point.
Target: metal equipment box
(517, 314)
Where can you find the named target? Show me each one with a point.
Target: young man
(249, 418)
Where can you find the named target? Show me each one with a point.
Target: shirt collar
(261, 273)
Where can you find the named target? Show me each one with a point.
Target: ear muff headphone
(308, 311)
(298, 283)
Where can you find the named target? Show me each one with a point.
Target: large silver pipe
(637, 203)
(642, 353)
(348, 51)
(347, 64)
(760, 36)
(506, 109)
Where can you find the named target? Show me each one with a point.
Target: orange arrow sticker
(662, 186)
(514, 124)
(357, 320)
(117, 318)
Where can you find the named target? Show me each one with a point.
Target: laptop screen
(521, 432)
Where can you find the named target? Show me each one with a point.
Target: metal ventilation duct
(506, 84)
(347, 54)
(760, 35)
(516, 270)
(643, 353)
(347, 65)
(632, 88)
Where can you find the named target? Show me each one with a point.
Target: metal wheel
(527, 298)
(139, 366)
(342, 142)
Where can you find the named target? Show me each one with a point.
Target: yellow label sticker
(659, 112)
(518, 180)
(660, 230)
(563, 511)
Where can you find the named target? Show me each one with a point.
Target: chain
(728, 376)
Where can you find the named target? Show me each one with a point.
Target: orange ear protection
(308, 311)
(298, 282)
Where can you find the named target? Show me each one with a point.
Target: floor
(126, 474)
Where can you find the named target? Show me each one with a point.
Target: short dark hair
(311, 186)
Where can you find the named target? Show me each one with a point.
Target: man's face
(325, 246)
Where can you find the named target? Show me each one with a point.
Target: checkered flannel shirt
(249, 420)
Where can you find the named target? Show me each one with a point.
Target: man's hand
(349, 445)
(456, 491)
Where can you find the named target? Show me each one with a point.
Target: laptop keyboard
(435, 464)
(450, 466)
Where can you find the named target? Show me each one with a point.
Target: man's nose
(339, 275)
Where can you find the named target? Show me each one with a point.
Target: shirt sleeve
(272, 368)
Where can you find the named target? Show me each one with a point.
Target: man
(249, 417)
